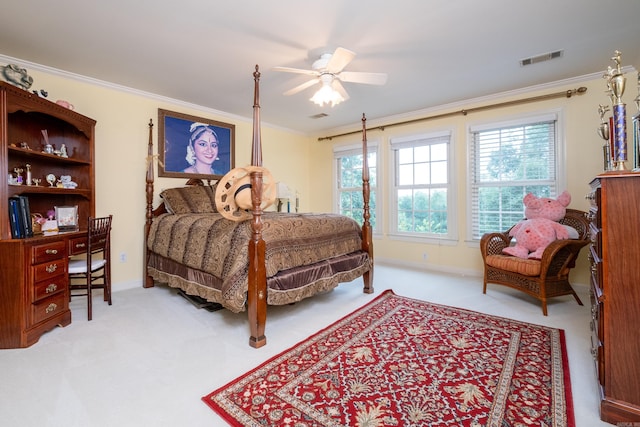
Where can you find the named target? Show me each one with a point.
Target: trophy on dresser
(616, 82)
(604, 133)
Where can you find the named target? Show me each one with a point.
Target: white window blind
(507, 161)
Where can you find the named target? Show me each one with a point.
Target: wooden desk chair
(96, 265)
(544, 278)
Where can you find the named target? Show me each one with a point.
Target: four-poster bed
(270, 259)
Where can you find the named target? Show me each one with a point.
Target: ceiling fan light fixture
(326, 95)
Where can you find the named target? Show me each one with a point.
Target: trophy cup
(604, 133)
(617, 82)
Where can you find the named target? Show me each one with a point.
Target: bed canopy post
(367, 242)
(257, 288)
(148, 280)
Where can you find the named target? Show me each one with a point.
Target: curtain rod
(464, 112)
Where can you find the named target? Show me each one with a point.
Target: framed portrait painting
(194, 147)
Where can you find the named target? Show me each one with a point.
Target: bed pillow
(190, 199)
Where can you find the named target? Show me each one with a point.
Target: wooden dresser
(615, 293)
(34, 294)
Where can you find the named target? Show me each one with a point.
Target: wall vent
(319, 116)
(541, 58)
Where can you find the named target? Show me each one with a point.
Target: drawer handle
(51, 308)
(80, 245)
(52, 288)
(51, 268)
(51, 251)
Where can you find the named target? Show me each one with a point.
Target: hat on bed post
(233, 192)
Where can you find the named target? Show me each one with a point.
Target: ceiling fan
(328, 70)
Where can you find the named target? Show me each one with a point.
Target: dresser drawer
(77, 245)
(46, 288)
(47, 270)
(49, 307)
(49, 251)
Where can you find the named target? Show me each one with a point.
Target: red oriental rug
(403, 362)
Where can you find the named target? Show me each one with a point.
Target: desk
(34, 286)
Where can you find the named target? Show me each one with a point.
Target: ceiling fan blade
(337, 86)
(361, 77)
(295, 70)
(340, 58)
(302, 87)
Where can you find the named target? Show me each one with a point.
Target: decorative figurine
(18, 172)
(17, 76)
(65, 104)
(51, 179)
(28, 166)
(63, 151)
(67, 182)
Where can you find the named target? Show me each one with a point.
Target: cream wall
(583, 162)
(122, 134)
(305, 164)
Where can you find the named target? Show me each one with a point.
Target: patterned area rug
(403, 362)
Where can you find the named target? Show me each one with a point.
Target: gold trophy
(603, 132)
(616, 82)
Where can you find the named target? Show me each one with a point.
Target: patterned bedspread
(212, 244)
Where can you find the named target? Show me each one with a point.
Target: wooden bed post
(148, 280)
(257, 288)
(367, 242)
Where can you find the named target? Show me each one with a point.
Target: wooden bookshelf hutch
(34, 294)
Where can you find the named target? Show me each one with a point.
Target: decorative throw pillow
(190, 199)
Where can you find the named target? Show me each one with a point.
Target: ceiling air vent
(541, 58)
(319, 115)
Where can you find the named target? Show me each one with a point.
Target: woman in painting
(202, 150)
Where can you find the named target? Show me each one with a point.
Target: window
(507, 161)
(350, 201)
(421, 197)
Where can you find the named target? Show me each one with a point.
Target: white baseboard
(123, 286)
(393, 262)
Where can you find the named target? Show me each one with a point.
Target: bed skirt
(285, 287)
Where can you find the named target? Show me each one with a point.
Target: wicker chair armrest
(494, 243)
(561, 255)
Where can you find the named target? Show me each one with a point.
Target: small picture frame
(67, 218)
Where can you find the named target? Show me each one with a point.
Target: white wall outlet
(424, 256)
(123, 257)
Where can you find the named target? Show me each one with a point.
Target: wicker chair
(544, 278)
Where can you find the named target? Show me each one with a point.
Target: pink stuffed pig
(541, 227)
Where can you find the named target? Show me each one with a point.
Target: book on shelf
(15, 219)
(25, 211)
(20, 217)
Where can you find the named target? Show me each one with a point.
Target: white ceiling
(434, 51)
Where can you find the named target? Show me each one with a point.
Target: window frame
(556, 115)
(414, 140)
(339, 151)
